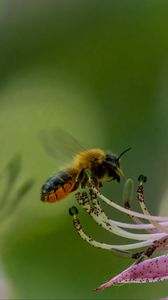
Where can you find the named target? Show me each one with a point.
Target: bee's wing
(60, 144)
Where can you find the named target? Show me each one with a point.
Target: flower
(150, 270)
(155, 239)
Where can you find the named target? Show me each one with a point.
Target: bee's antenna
(123, 153)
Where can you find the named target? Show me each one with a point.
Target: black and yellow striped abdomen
(59, 186)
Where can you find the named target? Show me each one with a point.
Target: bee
(102, 166)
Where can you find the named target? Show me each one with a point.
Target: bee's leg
(84, 179)
(97, 184)
(88, 178)
(75, 187)
(100, 184)
(80, 179)
(93, 181)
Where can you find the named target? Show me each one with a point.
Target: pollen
(154, 240)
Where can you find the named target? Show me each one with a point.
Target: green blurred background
(98, 69)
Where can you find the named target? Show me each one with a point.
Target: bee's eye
(112, 160)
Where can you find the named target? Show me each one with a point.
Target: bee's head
(113, 164)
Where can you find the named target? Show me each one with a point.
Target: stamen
(135, 226)
(142, 270)
(156, 246)
(120, 232)
(140, 197)
(91, 185)
(101, 219)
(128, 211)
(127, 199)
(94, 243)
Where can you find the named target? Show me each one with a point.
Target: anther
(77, 196)
(73, 211)
(93, 194)
(142, 179)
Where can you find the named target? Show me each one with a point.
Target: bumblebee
(101, 165)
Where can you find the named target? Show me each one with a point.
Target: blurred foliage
(12, 196)
(98, 70)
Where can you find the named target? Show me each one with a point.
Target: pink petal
(150, 270)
